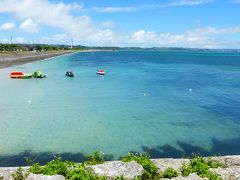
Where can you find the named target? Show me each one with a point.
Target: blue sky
(144, 23)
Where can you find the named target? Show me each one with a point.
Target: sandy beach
(7, 60)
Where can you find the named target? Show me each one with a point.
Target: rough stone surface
(7, 171)
(229, 161)
(44, 177)
(130, 170)
(165, 163)
(190, 177)
(117, 168)
(6, 174)
(232, 172)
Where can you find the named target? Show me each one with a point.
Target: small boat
(101, 72)
(69, 74)
(27, 76)
(16, 74)
(38, 74)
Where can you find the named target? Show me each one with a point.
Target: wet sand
(11, 59)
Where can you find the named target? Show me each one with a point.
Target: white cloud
(197, 38)
(20, 40)
(142, 36)
(49, 13)
(115, 9)
(7, 26)
(29, 26)
(190, 2)
(5, 41)
(122, 9)
(107, 24)
(83, 30)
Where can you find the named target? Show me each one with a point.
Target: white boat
(101, 72)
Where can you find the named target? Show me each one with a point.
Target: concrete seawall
(113, 169)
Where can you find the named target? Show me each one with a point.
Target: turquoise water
(166, 103)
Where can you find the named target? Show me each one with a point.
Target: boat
(101, 72)
(16, 75)
(38, 74)
(69, 74)
(27, 76)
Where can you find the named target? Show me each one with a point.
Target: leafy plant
(70, 170)
(150, 170)
(201, 167)
(56, 166)
(96, 158)
(80, 172)
(186, 170)
(169, 173)
(36, 168)
(19, 174)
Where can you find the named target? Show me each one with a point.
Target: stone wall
(113, 169)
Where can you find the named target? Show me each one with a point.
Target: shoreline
(19, 58)
(8, 60)
(131, 170)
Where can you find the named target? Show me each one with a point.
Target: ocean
(165, 103)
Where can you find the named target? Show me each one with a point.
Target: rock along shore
(113, 169)
(7, 60)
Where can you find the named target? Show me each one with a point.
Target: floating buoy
(29, 102)
(190, 90)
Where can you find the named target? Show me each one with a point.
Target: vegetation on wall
(77, 171)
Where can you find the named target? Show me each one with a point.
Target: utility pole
(71, 43)
(11, 44)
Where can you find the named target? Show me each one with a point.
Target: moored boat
(69, 74)
(38, 74)
(101, 72)
(27, 76)
(16, 75)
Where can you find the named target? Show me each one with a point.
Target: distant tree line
(27, 47)
(11, 47)
(49, 48)
(45, 47)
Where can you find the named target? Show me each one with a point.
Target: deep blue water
(169, 104)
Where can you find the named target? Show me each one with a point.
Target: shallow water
(167, 103)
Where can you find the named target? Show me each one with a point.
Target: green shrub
(75, 171)
(186, 170)
(96, 158)
(36, 168)
(169, 173)
(150, 170)
(56, 166)
(19, 174)
(201, 167)
(70, 170)
(213, 163)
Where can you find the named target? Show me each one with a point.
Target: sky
(141, 23)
